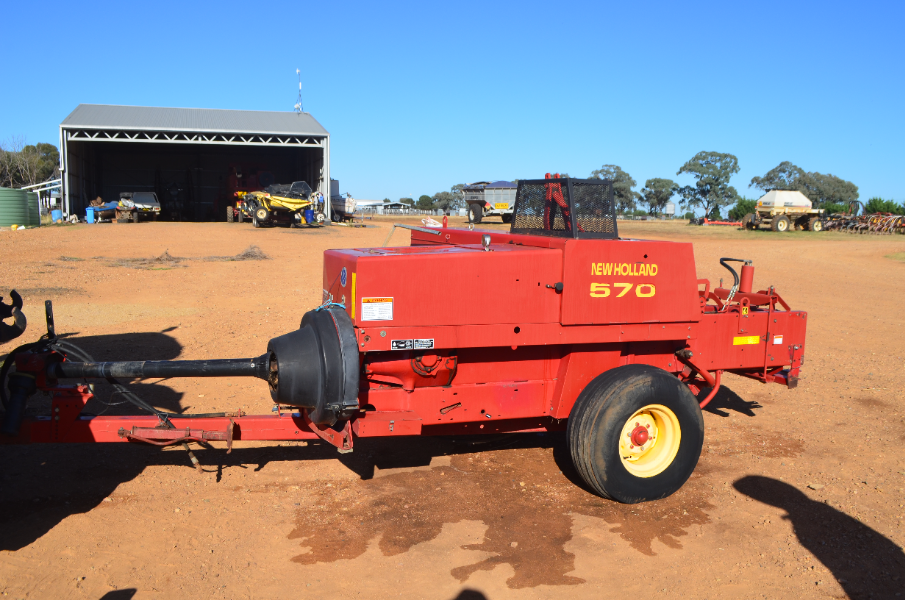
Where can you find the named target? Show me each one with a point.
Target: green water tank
(34, 209)
(13, 208)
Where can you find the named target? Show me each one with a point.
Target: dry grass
(168, 261)
(250, 253)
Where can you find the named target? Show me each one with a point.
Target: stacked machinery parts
(556, 325)
(880, 224)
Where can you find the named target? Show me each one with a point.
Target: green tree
(657, 192)
(445, 201)
(458, 197)
(822, 189)
(834, 208)
(623, 194)
(784, 176)
(712, 170)
(879, 205)
(22, 165)
(408, 201)
(425, 202)
(743, 207)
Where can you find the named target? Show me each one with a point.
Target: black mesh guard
(572, 208)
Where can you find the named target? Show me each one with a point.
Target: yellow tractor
(280, 204)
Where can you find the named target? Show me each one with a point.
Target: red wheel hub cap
(640, 436)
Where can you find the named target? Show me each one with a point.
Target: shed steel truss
(193, 137)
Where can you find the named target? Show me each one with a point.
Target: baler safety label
(745, 340)
(423, 344)
(376, 309)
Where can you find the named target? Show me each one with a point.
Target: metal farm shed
(192, 158)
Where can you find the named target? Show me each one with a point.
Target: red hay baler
(556, 325)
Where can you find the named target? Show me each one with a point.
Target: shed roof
(213, 120)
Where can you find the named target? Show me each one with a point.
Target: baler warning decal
(745, 340)
(376, 309)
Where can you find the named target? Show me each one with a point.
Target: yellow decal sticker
(624, 269)
(642, 290)
(353, 295)
(600, 290)
(744, 308)
(745, 340)
(625, 288)
(501, 205)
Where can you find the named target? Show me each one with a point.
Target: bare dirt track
(798, 494)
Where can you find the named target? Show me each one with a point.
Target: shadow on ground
(147, 345)
(863, 561)
(727, 400)
(123, 594)
(469, 594)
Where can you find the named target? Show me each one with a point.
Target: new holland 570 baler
(557, 324)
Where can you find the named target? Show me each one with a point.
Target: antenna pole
(298, 105)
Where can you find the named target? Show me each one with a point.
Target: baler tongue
(314, 367)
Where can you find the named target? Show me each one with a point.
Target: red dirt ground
(798, 494)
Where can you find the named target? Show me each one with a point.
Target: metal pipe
(28, 187)
(713, 391)
(234, 367)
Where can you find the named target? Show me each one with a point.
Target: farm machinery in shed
(279, 204)
(616, 341)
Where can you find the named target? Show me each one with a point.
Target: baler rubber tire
(815, 224)
(599, 415)
(775, 225)
(230, 215)
(241, 216)
(255, 222)
(475, 213)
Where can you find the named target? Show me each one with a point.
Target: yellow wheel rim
(650, 440)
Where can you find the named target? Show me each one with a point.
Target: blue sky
(420, 96)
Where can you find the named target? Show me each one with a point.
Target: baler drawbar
(558, 324)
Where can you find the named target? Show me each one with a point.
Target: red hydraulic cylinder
(747, 279)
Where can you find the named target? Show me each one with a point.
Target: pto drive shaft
(233, 367)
